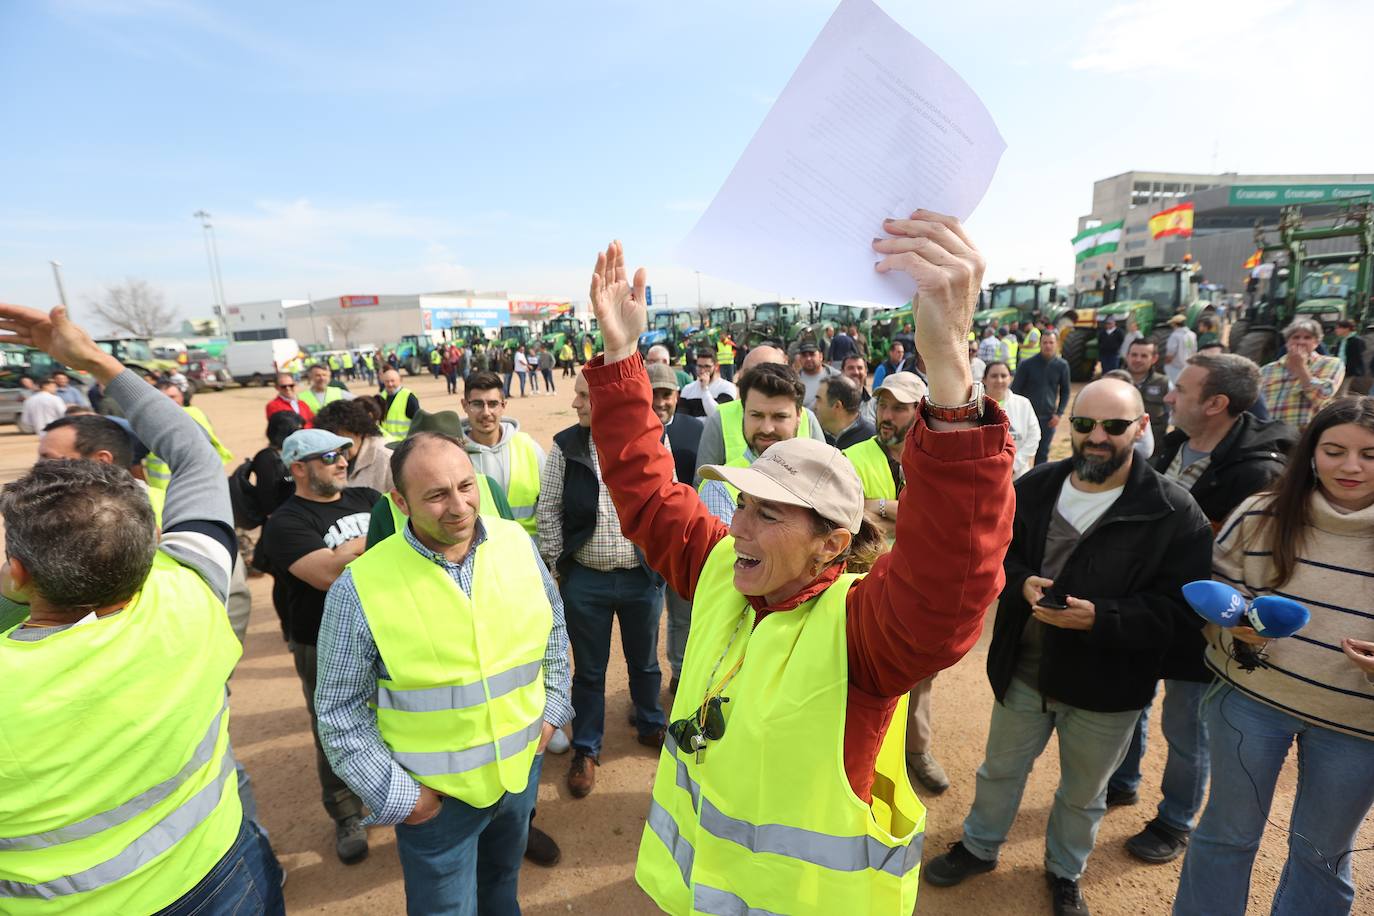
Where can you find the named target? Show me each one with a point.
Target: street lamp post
(57, 275)
(212, 258)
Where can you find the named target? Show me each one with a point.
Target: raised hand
(618, 304)
(948, 268)
(55, 334)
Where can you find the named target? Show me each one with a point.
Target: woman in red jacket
(805, 812)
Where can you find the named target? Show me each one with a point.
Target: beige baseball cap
(801, 472)
(906, 387)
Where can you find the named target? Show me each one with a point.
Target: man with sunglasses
(307, 543)
(286, 399)
(1101, 547)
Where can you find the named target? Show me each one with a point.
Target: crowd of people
(448, 589)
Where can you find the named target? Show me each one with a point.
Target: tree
(346, 324)
(134, 307)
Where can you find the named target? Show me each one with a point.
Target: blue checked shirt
(350, 666)
(717, 496)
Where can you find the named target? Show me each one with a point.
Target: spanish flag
(1174, 221)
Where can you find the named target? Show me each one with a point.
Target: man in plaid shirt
(1297, 384)
(601, 576)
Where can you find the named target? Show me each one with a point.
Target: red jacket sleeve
(664, 518)
(921, 608)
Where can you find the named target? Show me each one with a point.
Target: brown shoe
(582, 774)
(654, 739)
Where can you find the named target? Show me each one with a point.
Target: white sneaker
(559, 743)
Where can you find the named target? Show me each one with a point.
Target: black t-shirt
(300, 527)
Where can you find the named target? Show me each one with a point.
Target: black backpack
(242, 496)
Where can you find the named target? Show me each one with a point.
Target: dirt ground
(600, 834)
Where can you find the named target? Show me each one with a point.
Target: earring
(1314, 469)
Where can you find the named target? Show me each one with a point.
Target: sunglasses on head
(1085, 425)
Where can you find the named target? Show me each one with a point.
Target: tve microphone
(1270, 616)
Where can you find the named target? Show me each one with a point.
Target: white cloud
(1172, 35)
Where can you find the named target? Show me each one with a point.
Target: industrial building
(1226, 207)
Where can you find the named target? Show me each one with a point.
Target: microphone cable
(1215, 689)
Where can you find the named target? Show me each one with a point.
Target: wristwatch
(973, 410)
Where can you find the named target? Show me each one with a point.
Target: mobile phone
(1053, 600)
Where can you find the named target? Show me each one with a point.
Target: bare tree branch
(346, 324)
(134, 307)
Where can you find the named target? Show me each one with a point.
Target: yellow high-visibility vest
(522, 491)
(725, 833)
(870, 463)
(463, 709)
(732, 428)
(118, 791)
(331, 394)
(396, 422)
(158, 472)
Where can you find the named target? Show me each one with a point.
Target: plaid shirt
(717, 496)
(1288, 401)
(350, 666)
(607, 549)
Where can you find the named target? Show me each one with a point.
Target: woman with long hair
(1310, 539)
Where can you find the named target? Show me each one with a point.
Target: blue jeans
(509, 375)
(245, 882)
(466, 860)
(679, 625)
(1249, 741)
(1042, 451)
(1091, 744)
(591, 600)
(1185, 769)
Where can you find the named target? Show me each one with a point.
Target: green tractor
(883, 327)
(412, 353)
(826, 315)
(1148, 295)
(466, 335)
(731, 320)
(561, 330)
(137, 354)
(773, 323)
(513, 335)
(1019, 300)
(1325, 287)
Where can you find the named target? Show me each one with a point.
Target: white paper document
(872, 125)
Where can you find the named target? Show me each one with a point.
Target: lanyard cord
(729, 675)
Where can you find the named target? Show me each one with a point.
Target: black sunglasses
(1085, 425)
(707, 723)
(327, 457)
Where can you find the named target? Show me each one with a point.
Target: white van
(256, 362)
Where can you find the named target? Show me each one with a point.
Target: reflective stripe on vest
(522, 492)
(870, 463)
(159, 473)
(732, 428)
(721, 840)
(331, 394)
(396, 422)
(128, 812)
(455, 727)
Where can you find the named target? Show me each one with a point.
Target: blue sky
(369, 148)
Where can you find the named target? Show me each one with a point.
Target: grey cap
(660, 376)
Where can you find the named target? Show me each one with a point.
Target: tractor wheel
(1081, 366)
(1239, 328)
(412, 366)
(1259, 346)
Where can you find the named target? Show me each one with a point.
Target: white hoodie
(494, 460)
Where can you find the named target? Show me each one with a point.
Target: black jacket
(1132, 566)
(1243, 463)
(581, 489)
(684, 435)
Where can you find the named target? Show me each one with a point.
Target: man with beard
(307, 542)
(1101, 546)
(878, 462)
(771, 396)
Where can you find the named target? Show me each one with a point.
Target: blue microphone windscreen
(1274, 617)
(1215, 602)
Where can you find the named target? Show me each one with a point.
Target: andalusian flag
(1097, 240)
(1173, 221)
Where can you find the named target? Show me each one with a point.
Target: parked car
(204, 371)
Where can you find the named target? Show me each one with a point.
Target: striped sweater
(1307, 675)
